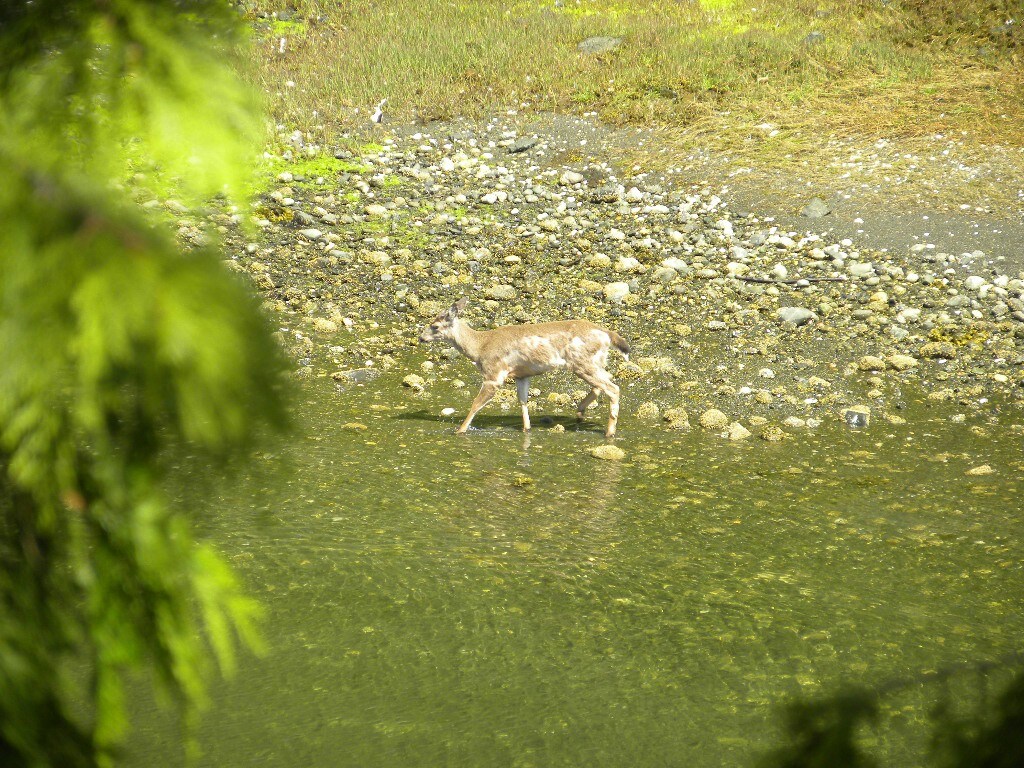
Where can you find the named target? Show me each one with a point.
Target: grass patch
(320, 166)
(709, 72)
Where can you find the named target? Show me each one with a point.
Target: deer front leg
(487, 391)
(523, 388)
(601, 381)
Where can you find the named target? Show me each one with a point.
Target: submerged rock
(648, 411)
(608, 452)
(414, 381)
(713, 419)
(737, 431)
(857, 416)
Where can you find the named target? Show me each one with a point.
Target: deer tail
(620, 344)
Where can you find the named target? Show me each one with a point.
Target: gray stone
(600, 44)
(814, 38)
(815, 209)
(500, 292)
(311, 234)
(795, 315)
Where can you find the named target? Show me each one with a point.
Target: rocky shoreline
(725, 310)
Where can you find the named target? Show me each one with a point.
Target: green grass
(321, 165)
(707, 71)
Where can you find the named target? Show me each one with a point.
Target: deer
(524, 351)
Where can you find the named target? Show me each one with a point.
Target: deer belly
(533, 360)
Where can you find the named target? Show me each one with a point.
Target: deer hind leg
(601, 381)
(523, 388)
(487, 391)
(581, 409)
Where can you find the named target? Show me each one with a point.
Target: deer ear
(459, 305)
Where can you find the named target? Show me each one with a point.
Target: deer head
(441, 327)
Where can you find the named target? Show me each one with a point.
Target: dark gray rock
(522, 144)
(814, 38)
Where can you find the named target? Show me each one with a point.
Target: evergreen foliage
(116, 344)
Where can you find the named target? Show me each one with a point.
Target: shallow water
(492, 600)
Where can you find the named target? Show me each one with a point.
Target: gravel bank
(724, 308)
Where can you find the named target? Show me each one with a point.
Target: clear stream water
(492, 600)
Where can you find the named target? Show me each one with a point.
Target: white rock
(634, 195)
(616, 292)
(861, 269)
(570, 177)
(616, 234)
(974, 282)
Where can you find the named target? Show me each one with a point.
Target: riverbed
(500, 599)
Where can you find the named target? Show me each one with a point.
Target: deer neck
(466, 340)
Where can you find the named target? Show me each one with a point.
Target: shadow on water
(487, 423)
(507, 599)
